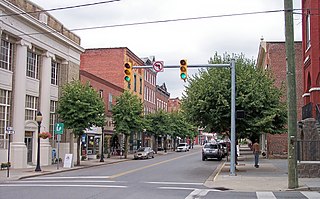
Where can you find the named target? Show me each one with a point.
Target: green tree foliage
(80, 107)
(158, 125)
(208, 99)
(127, 115)
(179, 126)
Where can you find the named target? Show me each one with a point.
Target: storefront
(91, 143)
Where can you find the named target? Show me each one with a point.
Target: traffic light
(127, 71)
(183, 69)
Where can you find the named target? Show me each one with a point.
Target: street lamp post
(102, 143)
(39, 120)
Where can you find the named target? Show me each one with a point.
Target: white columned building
(36, 59)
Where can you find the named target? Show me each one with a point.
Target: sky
(195, 40)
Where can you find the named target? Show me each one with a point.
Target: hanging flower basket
(45, 135)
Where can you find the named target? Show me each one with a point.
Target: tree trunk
(126, 140)
(78, 150)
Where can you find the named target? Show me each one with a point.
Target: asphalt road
(178, 175)
(174, 175)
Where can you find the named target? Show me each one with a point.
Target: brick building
(311, 58)
(174, 104)
(272, 57)
(150, 80)
(108, 92)
(108, 64)
(33, 67)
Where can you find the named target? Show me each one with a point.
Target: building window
(5, 115)
(6, 53)
(135, 83)
(31, 107)
(140, 86)
(101, 93)
(110, 102)
(308, 31)
(55, 69)
(53, 115)
(33, 63)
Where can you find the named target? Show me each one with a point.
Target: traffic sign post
(58, 129)
(9, 131)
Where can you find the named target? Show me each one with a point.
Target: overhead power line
(163, 21)
(62, 8)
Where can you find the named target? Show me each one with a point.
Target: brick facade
(272, 57)
(311, 57)
(174, 104)
(108, 64)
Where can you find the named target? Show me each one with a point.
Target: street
(172, 176)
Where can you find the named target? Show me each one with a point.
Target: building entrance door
(28, 138)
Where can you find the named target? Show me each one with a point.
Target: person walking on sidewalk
(256, 152)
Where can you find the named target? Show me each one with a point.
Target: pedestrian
(256, 152)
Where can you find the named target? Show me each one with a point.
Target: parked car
(183, 147)
(144, 153)
(211, 150)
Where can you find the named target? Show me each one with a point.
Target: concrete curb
(210, 181)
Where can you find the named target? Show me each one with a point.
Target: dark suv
(211, 150)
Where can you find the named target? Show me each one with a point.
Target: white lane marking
(197, 193)
(177, 188)
(73, 177)
(59, 185)
(62, 181)
(189, 188)
(311, 194)
(265, 195)
(182, 183)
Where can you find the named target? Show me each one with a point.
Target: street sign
(158, 66)
(58, 128)
(9, 130)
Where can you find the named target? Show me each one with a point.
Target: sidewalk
(15, 174)
(272, 175)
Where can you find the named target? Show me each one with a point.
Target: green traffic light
(183, 76)
(127, 78)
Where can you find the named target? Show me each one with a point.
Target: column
(45, 82)
(18, 147)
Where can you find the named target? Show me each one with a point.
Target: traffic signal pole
(232, 67)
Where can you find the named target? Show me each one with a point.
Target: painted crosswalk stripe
(73, 177)
(265, 195)
(311, 194)
(66, 181)
(176, 183)
(61, 185)
(197, 193)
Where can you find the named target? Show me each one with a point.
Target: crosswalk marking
(175, 183)
(73, 177)
(61, 185)
(265, 195)
(311, 195)
(197, 193)
(66, 181)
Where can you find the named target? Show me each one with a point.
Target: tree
(158, 125)
(80, 107)
(127, 115)
(208, 96)
(179, 126)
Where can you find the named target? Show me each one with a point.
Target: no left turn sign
(158, 66)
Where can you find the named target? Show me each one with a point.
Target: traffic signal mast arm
(189, 66)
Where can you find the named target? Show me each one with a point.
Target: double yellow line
(151, 165)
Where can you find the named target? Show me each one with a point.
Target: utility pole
(291, 95)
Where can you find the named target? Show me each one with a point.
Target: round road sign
(158, 66)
